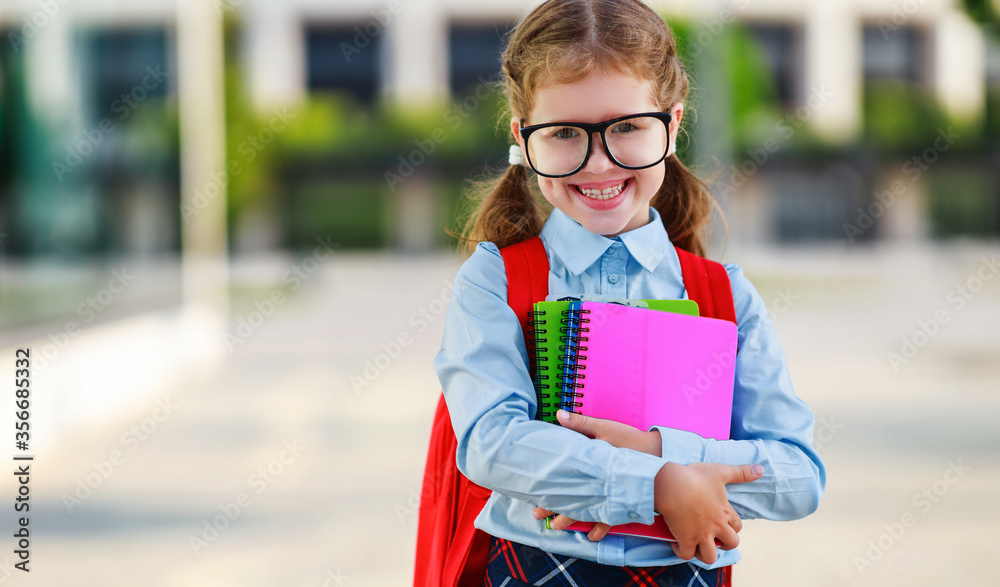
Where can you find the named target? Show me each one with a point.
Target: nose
(599, 160)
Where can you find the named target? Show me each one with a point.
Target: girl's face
(603, 197)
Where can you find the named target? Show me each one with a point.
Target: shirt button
(633, 516)
(613, 278)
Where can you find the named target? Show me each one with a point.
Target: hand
(561, 522)
(692, 499)
(614, 433)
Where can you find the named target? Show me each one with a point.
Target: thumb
(575, 421)
(744, 473)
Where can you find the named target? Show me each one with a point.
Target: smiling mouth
(605, 194)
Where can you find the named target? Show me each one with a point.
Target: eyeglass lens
(635, 142)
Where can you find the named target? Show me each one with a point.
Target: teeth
(606, 194)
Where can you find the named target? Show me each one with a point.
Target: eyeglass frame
(590, 129)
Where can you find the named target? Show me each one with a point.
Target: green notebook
(547, 323)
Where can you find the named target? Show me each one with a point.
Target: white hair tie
(515, 156)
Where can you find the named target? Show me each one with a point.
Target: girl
(596, 92)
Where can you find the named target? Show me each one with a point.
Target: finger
(561, 522)
(600, 530)
(707, 552)
(582, 424)
(684, 551)
(541, 514)
(735, 522)
(728, 539)
(744, 473)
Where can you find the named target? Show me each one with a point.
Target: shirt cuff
(631, 487)
(681, 446)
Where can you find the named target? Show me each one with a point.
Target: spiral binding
(540, 367)
(571, 337)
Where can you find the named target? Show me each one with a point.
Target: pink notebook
(646, 368)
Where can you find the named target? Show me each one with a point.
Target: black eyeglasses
(558, 149)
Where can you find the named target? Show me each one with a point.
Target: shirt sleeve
(771, 426)
(483, 369)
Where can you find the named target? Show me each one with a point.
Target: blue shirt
(483, 369)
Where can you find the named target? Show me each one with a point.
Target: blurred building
(88, 156)
(415, 50)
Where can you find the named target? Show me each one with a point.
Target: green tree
(983, 11)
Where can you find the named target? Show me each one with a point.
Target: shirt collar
(578, 248)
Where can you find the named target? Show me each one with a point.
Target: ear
(676, 113)
(515, 129)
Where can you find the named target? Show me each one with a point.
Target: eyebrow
(569, 121)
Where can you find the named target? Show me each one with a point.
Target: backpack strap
(707, 283)
(527, 268)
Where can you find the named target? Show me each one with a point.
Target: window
(895, 54)
(11, 112)
(127, 67)
(992, 122)
(992, 62)
(474, 51)
(120, 171)
(344, 58)
(781, 45)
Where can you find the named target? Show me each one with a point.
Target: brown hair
(562, 41)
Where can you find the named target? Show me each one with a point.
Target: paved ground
(274, 470)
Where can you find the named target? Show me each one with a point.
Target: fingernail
(562, 416)
(758, 470)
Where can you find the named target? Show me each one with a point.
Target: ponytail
(507, 211)
(685, 204)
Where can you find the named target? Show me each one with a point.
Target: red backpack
(451, 551)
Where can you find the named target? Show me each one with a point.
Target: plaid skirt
(516, 565)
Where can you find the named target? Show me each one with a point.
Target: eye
(625, 127)
(564, 132)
